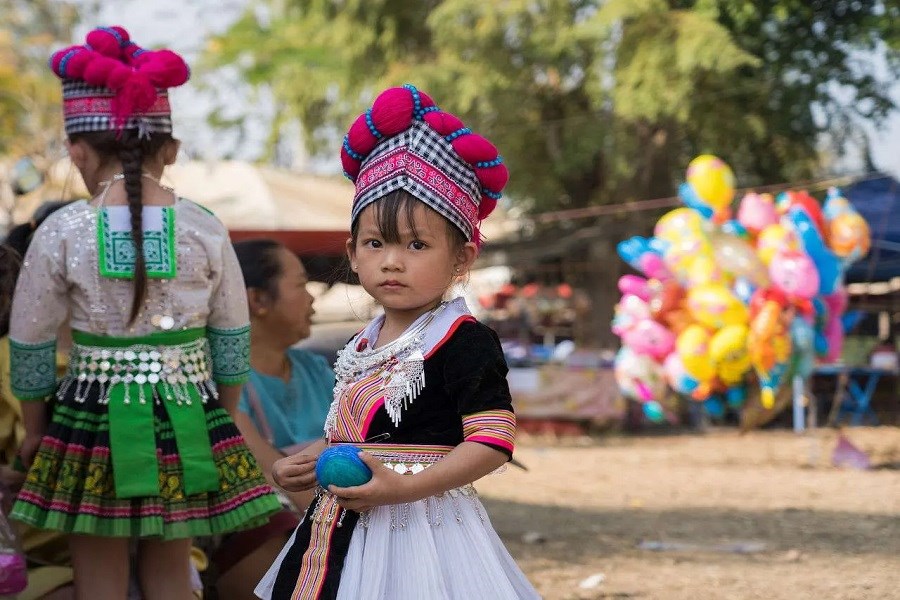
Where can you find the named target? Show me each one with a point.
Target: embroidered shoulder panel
(32, 369)
(117, 250)
(230, 352)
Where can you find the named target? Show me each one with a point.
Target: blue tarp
(878, 201)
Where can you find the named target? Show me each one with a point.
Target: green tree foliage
(589, 101)
(30, 115)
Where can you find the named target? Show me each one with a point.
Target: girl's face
(409, 276)
(288, 315)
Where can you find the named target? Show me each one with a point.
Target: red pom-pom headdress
(406, 142)
(111, 83)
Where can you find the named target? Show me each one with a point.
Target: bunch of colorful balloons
(721, 296)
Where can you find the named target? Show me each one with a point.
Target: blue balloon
(735, 228)
(735, 396)
(714, 407)
(342, 466)
(827, 262)
(653, 410)
(821, 344)
(851, 319)
(743, 289)
(690, 198)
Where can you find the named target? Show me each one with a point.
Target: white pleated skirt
(441, 548)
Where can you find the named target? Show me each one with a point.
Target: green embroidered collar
(116, 251)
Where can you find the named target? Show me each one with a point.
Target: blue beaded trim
(417, 101)
(487, 164)
(490, 194)
(138, 53)
(457, 133)
(371, 125)
(354, 155)
(114, 33)
(64, 61)
(429, 109)
(347, 175)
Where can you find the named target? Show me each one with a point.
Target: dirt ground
(759, 515)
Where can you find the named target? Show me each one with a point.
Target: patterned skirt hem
(252, 513)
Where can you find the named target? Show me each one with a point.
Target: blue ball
(340, 466)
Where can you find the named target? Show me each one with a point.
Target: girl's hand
(296, 473)
(385, 487)
(29, 448)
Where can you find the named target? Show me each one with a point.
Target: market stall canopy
(878, 201)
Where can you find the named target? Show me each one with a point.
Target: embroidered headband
(110, 83)
(406, 142)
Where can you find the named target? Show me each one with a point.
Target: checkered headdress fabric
(89, 108)
(423, 162)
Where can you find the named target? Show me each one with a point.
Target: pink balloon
(837, 301)
(834, 335)
(652, 265)
(757, 212)
(650, 338)
(795, 274)
(635, 285)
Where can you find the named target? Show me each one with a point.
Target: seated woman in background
(284, 405)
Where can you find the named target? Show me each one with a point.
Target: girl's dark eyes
(417, 245)
(372, 243)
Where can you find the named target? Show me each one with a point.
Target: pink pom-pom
(163, 68)
(129, 51)
(105, 42)
(350, 164)
(443, 123)
(493, 178)
(97, 70)
(124, 38)
(118, 77)
(392, 111)
(360, 138)
(486, 207)
(56, 60)
(78, 62)
(473, 148)
(136, 96)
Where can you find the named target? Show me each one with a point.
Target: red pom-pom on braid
(137, 95)
(105, 41)
(118, 77)
(97, 71)
(444, 123)
(163, 68)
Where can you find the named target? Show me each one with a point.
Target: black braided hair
(130, 150)
(132, 159)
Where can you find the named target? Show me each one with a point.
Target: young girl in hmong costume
(139, 443)
(422, 389)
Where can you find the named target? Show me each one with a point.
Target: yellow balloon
(701, 270)
(676, 224)
(712, 180)
(693, 349)
(715, 306)
(728, 351)
(848, 235)
(773, 239)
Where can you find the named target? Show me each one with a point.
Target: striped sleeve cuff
(230, 353)
(32, 369)
(495, 428)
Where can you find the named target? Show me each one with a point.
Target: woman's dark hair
(259, 264)
(10, 262)
(19, 237)
(131, 150)
(387, 216)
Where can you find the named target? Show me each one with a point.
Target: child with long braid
(138, 443)
(421, 390)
